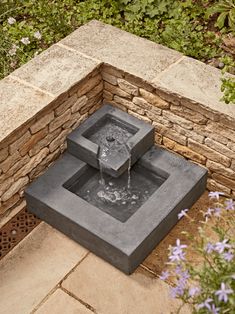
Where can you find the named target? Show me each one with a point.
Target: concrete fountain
(114, 191)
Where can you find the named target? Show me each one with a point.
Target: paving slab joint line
(88, 306)
(169, 283)
(58, 285)
(78, 52)
(31, 85)
(73, 269)
(169, 67)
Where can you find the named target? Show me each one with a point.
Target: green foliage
(226, 11)
(228, 88)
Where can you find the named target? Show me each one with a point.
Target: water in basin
(113, 195)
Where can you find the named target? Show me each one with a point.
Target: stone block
(34, 161)
(140, 117)
(204, 131)
(95, 90)
(189, 133)
(154, 99)
(88, 84)
(18, 143)
(44, 142)
(228, 121)
(116, 90)
(34, 139)
(15, 167)
(3, 154)
(109, 78)
(221, 130)
(5, 185)
(10, 161)
(177, 119)
(231, 145)
(161, 120)
(224, 180)
(80, 102)
(65, 105)
(59, 121)
(42, 122)
(189, 114)
(7, 205)
(108, 69)
(59, 140)
(14, 188)
(163, 130)
(107, 95)
(233, 165)
(128, 87)
(209, 153)
(142, 103)
(184, 151)
(129, 105)
(219, 148)
(213, 185)
(218, 168)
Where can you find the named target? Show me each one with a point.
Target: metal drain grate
(15, 230)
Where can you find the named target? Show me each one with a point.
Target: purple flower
(214, 309)
(165, 275)
(177, 252)
(215, 195)
(193, 291)
(209, 248)
(177, 291)
(221, 246)
(228, 256)
(209, 212)
(205, 304)
(217, 211)
(182, 213)
(230, 205)
(223, 293)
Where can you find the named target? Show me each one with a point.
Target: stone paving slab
(34, 267)
(121, 49)
(197, 81)
(109, 291)
(18, 103)
(61, 303)
(56, 69)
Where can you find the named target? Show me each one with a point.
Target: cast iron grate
(15, 230)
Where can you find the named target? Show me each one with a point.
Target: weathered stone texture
(184, 150)
(129, 105)
(59, 121)
(220, 148)
(212, 185)
(5, 185)
(116, 90)
(231, 145)
(65, 105)
(189, 133)
(96, 90)
(14, 188)
(218, 168)
(10, 161)
(58, 140)
(161, 120)
(34, 139)
(224, 180)
(142, 103)
(170, 133)
(18, 143)
(7, 205)
(3, 153)
(107, 95)
(233, 165)
(109, 78)
(80, 102)
(154, 99)
(209, 153)
(88, 84)
(203, 130)
(138, 116)
(221, 130)
(42, 122)
(178, 120)
(128, 87)
(34, 161)
(189, 114)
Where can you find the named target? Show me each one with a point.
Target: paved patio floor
(48, 273)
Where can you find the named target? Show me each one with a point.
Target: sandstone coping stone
(121, 49)
(18, 104)
(56, 69)
(197, 81)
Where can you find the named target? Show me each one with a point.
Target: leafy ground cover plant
(28, 27)
(209, 285)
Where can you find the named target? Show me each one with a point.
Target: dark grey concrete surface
(123, 244)
(141, 138)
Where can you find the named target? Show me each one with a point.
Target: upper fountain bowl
(111, 138)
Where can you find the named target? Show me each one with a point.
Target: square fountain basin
(113, 134)
(123, 239)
